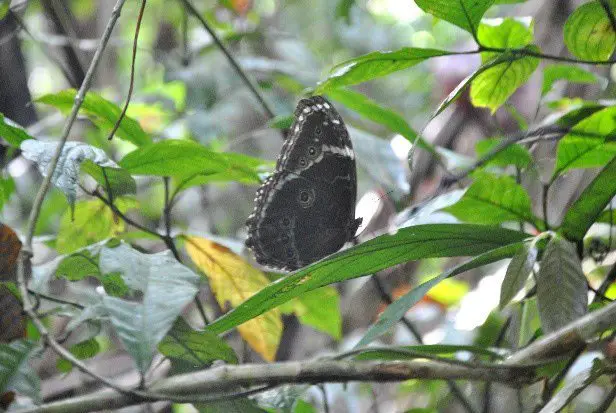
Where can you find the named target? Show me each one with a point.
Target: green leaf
(117, 180)
(514, 154)
(281, 122)
(82, 351)
(494, 200)
(12, 133)
(607, 217)
(588, 32)
(167, 287)
(374, 65)
(574, 74)
(581, 149)
(4, 8)
(15, 372)
(517, 273)
(492, 87)
(376, 113)
(93, 221)
(103, 113)
(561, 285)
(506, 33)
(465, 14)
(7, 188)
(198, 348)
(187, 159)
(395, 311)
(587, 208)
(302, 406)
(422, 241)
(319, 309)
(343, 10)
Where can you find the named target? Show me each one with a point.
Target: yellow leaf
(448, 292)
(233, 280)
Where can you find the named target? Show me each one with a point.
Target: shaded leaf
(581, 149)
(82, 351)
(11, 132)
(343, 10)
(514, 154)
(103, 113)
(573, 74)
(7, 188)
(517, 273)
(561, 285)
(281, 122)
(233, 280)
(167, 287)
(588, 32)
(15, 372)
(114, 180)
(428, 212)
(494, 200)
(587, 208)
(66, 174)
(375, 112)
(374, 65)
(199, 348)
(395, 311)
(422, 241)
(319, 309)
(93, 221)
(465, 14)
(411, 352)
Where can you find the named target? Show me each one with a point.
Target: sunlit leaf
(167, 287)
(465, 14)
(587, 208)
(11, 132)
(588, 32)
(103, 113)
(422, 241)
(234, 281)
(570, 73)
(319, 309)
(66, 174)
(517, 273)
(374, 65)
(508, 33)
(198, 348)
(395, 311)
(494, 200)
(91, 222)
(589, 144)
(561, 285)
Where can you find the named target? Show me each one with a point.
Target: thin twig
(247, 81)
(132, 72)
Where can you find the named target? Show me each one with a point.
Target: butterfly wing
(306, 209)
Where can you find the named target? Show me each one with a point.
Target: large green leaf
(422, 241)
(103, 113)
(374, 65)
(574, 74)
(514, 154)
(15, 372)
(506, 33)
(588, 207)
(591, 143)
(561, 285)
(375, 112)
(492, 87)
(588, 32)
(198, 348)
(395, 311)
(12, 133)
(167, 287)
(493, 200)
(463, 13)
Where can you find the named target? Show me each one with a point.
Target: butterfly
(305, 210)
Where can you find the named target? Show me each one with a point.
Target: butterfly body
(306, 209)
